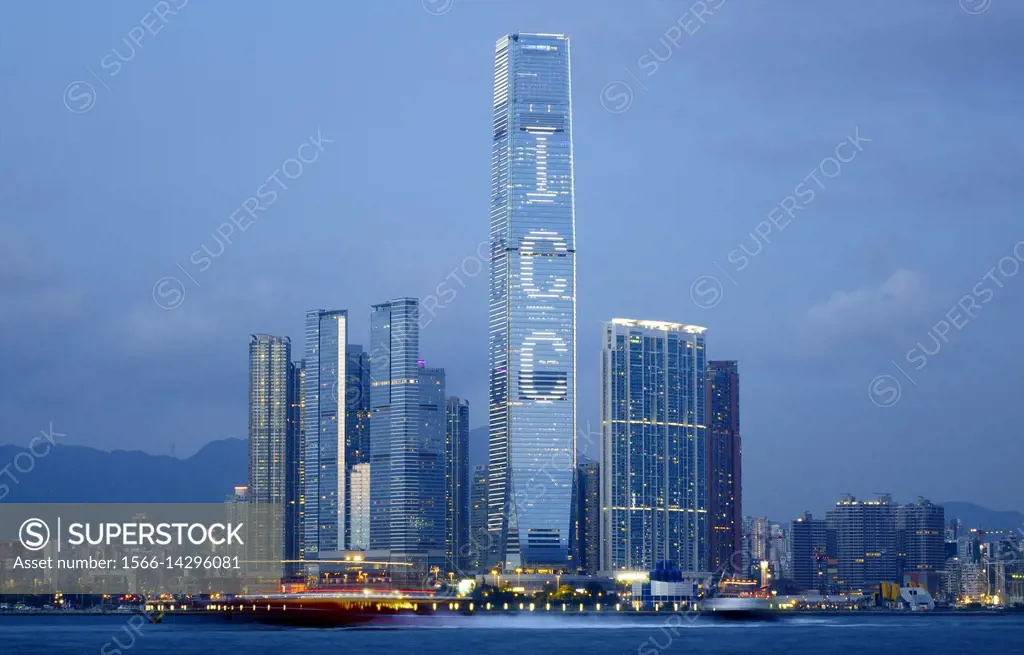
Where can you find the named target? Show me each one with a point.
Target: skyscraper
(865, 543)
(809, 548)
(920, 540)
(725, 516)
(324, 452)
(532, 399)
(294, 472)
(589, 495)
(653, 436)
(456, 483)
(406, 438)
(270, 378)
(269, 411)
(357, 405)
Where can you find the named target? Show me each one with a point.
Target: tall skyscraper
(357, 405)
(920, 540)
(294, 471)
(406, 438)
(725, 515)
(269, 411)
(865, 543)
(324, 451)
(478, 535)
(532, 400)
(456, 483)
(654, 443)
(589, 495)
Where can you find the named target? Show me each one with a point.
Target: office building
(589, 517)
(407, 433)
(323, 424)
(359, 506)
(865, 543)
(920, 534)
(532, 336)
(653, 466)
(357, 405)
(725, 515)
(294, 473)
(456, 483)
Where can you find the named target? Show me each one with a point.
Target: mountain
(975, 516)
(78, 474)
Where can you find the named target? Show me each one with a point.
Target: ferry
(740, 600)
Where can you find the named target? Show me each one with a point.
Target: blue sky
(107, 189)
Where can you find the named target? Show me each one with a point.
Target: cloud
(903, 296)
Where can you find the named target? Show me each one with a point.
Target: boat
(738, 600)
(749, 608)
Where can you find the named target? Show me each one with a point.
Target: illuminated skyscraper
(271, 438)
(324, 452)
(653, 435)
(725, 525)
(295, 473)
(269, 410)
(532, 401)
(407, 429)
(456, 483)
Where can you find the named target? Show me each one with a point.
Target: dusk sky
(689, 134)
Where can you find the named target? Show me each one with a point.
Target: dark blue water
(524, 635)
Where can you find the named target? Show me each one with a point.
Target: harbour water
(517, 635)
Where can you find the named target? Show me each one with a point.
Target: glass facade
(269, 411)
(532, 336)
(324, 451)
(270, 433)
(407, 428)
(654, 442)
(724, 475)
(456, 483)
(294, 510)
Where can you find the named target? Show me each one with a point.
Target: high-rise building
(295, 475)
(357, 405)
(269, 436)
(920, 535)
(532, 400)
(725, 515)
(478, 535)
(456, 483)
(760, 535)
(589, 517)
(269, 411)
(359, 506)
(653, 466)
(865, 543)
(407, 431)
(809, 550)
(324, 421)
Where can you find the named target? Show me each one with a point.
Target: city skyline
(706, 150)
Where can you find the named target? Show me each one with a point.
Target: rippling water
(522, 635)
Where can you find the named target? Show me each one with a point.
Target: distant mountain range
(78, 474)
(975, 516)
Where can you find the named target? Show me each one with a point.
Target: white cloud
(902, 296)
